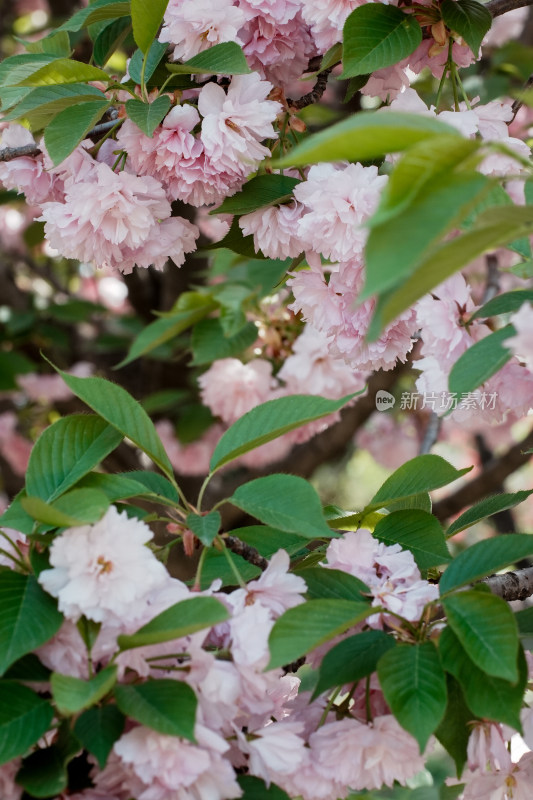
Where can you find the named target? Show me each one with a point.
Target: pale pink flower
(250, 628)
(278, 51)
(313, 297)
(441, 315)
(386, 83)
(276, 11)
(310, 784)
(506, 28)
(235, 123)
(192, 458)
(526, 718)
(11, 542)
(116, 780)
(274, 230)
(461, 54)
(327, 18)
(9, 790)
(338, 200)
(487, 749)
(25, 174)
(276, 588)
(513, 783)
(230, 388)
(103, 571)
(174, 769)
(14, 448)
(275, 750)
(196, 25)
(66, 652)
(390, 441)
(117, 220)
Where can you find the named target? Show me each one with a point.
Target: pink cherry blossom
(512, 783)
(230, 388)
(192, 458)
(278, 51)
(195, 25)
(66, 652)
(386, 83)
(276, 11)
(276, 588)
(274, 230)
(275, 750)
(24, 174)
(487, 748)
(103, 570)
(48, 388)
(327, 18)
(14, 448)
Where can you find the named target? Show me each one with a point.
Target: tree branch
(490, 480)
(9, 153)
(315, 94)
(499, 7)
(512, 585)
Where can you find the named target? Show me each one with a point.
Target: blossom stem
(369, 715)
(233, 566)
(329, 706)
(201, 493)
(198, 577)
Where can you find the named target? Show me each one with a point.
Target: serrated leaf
(181, 619)
(487, 696)
(417, 531)
(74, 508)
(66, 451)
(55, 44)
(376, 36)
(261, 191)
(29, 669)
(205, 527)
(24, 718)
(268, 541)
(486, 508)
(164, 705)
(15, 69)
(97, 11)
(487, 629)
(15, 517)
(29, 617)
(115, 487)
(482, 360)
(155, 484)
(155, 54)
(504, 303)
(44, 102)
(287, 502)
(454, 731)
(70, 126)
(310, 624)
(421, 474)
(147, 19)
(64, 70)
(147, 116)
(72, 695)
(98, 729)
(470, 19)
(209, 343)
(119, 409)
(110, 39)
(226, 58)
(485, 558)
(268, 421)
(364, 137)
(334, 583)
(414, 685)
(352, 659)
(166, 328)
(44, 772)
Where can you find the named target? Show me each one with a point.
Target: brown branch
(490, 480)
(9, 153)
(499, 7)
(315, 94)
(512, 585)
(247, 552)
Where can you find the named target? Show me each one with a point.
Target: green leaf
(268, 541)
(485, 558)
(147, 19)
(454, 731)
(417, 531)
(15, 69)
(70, 127)
(235, 241)
(261, 191)
(115, 487)
(421, 474)
(209, 343)
(66, 451)
(119, 409)
(486, 508)
(29, 617)
(205, 527)
(72, 695)
(98, 729)
(147, 116)
(77, 507)
(110, 38)
(304, 627)
(216, 567)
(268, 421)
(287, 502)
(155, 54)
(155, 484)
(481, 361)
(64, 70)
(226, 58)
(44, 772)
(167, 328)
(97, 11)
(524, 619)
(50, 100)
(255, 789)
(418, 166)
(364, 137)
(24, 718)
(414, 685)
(487, 696)
(164, 705)
(28, 668)
(181, 619)
(435, 210)
(504, 303)
(470, 19)
(486, 628)
(352, 659)
(55, 44)
(15, 517)
(377, 36)
(334, 583)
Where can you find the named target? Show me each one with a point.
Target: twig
(431, 433)
(247, 552)
(512, 585)
(492, 286)
(519, 102)
(499, 7)
(9, 153)
(490, 480)
(315, 94)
